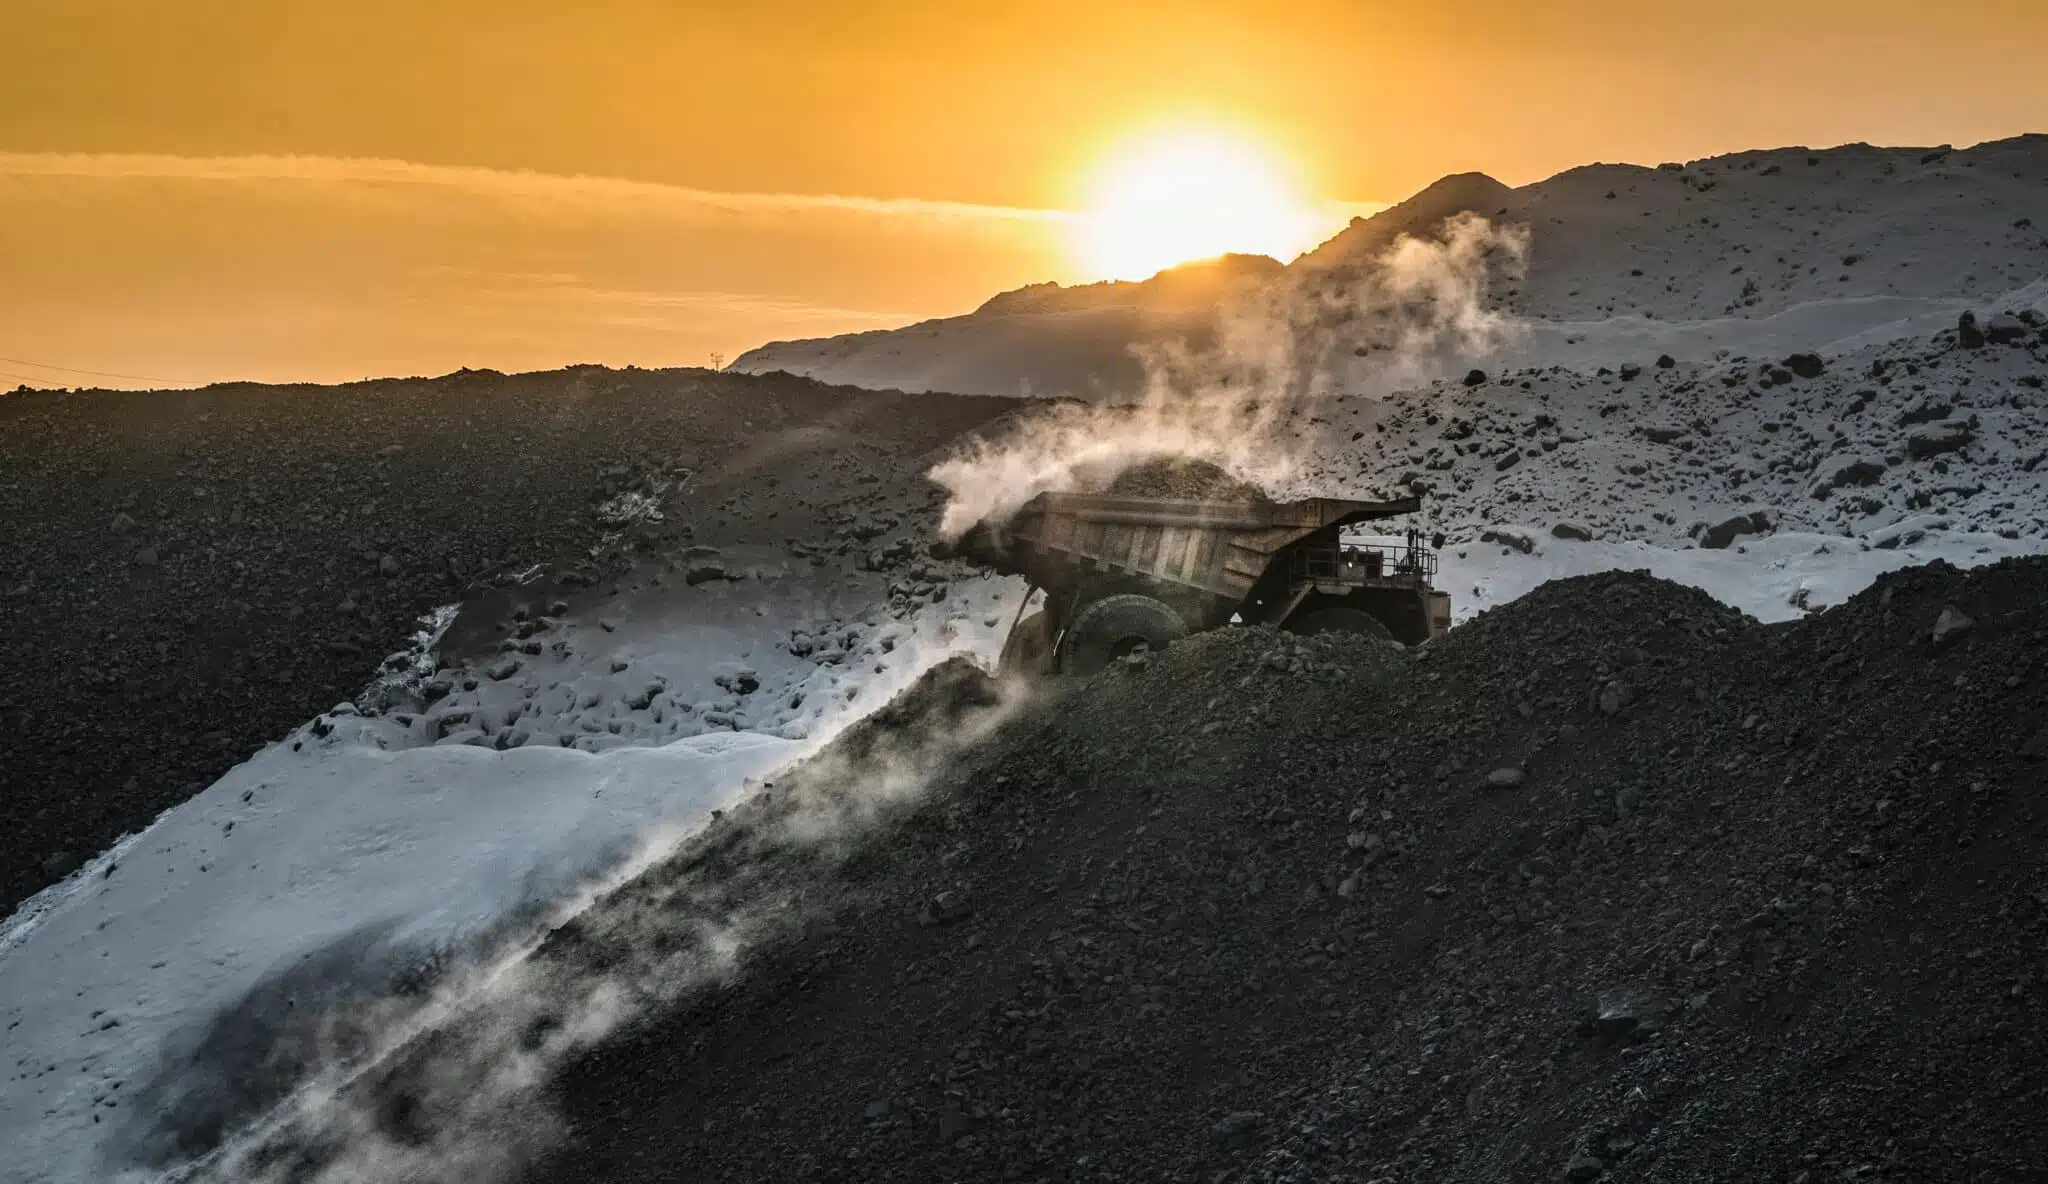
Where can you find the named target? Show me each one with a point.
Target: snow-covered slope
(1779, 491)
(175, 981)
(1830, 246)
(1847, 444)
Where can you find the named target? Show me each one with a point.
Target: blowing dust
(1414, 313)
(453, 1086)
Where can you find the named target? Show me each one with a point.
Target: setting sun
(1175, 198)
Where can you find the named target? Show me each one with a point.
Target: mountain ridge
(1740, 236)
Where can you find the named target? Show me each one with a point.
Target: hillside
(1800, 248)
(186, 576)
(1613, 884)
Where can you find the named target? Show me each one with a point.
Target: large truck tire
(1341, 618)
(1115, 627)
(1027, 651)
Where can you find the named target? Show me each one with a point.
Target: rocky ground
(1919, 434)
(1610, 883)
(185, 576)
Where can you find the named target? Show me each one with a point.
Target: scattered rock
(1939, 438)
(1806, 365)
(1509, 538)
(1238, 1130)
(1859, 471)
(2005, 329)
(1924, 411)
(1951, 624)
(945, 908)
(1723, 534)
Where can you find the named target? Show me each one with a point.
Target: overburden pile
(186, 576)
(1611, 883)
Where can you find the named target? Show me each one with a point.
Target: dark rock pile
(1178, 477)
(187, 575)
(1611, 883)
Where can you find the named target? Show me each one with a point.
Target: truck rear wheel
(1341, 618)
(1115, 627)
(1027, 647)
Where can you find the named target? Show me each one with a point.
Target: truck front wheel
(1116, 627)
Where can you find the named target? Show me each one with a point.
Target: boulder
(1513, 539)
(1951, 624)
(1806, 365)
(1571, 530)
(1936, 439)
(1925, 411)
(1723, 534)
(1859, 471)
(2005, 329)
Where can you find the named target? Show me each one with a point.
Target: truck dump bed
(1220, 547)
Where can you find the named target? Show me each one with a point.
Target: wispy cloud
(612, 193)
(294, 267)
(562, 292)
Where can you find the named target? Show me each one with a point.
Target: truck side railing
(1366, 564)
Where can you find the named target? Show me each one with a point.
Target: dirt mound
(187, 575)
(1182, 478)
(1611, 883)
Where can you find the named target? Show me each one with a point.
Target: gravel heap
(187, 575)
(1183, 478)
(1610, 883)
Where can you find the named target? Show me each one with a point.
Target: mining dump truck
(1120, 574)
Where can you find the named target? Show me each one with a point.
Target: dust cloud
(452, 1088)
(1416, 312)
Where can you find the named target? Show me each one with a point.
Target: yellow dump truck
(1120, 574)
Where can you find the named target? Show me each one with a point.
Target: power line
(99, 373)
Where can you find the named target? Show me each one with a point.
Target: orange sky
(214, 188)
